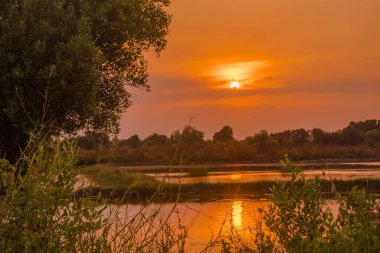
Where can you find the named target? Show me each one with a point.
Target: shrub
(298, 220)
(39, 213)
(372, 138)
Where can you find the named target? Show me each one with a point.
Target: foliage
(225, 134)
(262, 141)
(295, 215)
(300, 144)
(156, 139)
(93, 141)
(134, 141)
(297, 137)
(351, 136)
(365, 126)
(186, 143)
(67, 63)
(105, 176)
(114, 183)
(189, 136)
(298, 219)
(372, 138)
(39, 213)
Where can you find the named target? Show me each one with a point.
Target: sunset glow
(290, 58)
(239, 72)
(234, 85)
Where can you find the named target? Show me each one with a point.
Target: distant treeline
(357, 140)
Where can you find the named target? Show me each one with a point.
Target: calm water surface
(364, 163)
(206, 220)
(252, 176)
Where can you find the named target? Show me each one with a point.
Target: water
(364, 163)
(205, 221)
(252, 176)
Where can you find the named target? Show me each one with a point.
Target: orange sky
(300, 64)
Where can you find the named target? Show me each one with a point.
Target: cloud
(341, 86)
(183, 88)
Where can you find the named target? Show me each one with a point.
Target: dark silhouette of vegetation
(39, 211)
(262, 142)
(225, 134)
(298, 219)
(372, 138)
(359, 140)
(134, 141)
(66, 63)
(44, 211)
(155, 139)
(93, 141)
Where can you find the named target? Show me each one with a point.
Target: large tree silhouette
(66, 63)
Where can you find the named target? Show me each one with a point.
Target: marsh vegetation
(357, 141)
(41, 213)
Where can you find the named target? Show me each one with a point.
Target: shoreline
(206, 192)
(233, 167)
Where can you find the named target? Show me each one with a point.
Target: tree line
(356, 140)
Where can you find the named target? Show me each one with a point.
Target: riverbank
(126, 186)
(228, 167)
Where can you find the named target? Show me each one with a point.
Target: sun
(234, 85)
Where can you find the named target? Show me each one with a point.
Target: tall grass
(297, 220)
(114, 183)
(40, 213)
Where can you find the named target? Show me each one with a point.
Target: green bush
(37, 211)
(40, 213)
(298, 220)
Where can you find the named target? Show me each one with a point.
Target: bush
(298, 220)
(37, 211)
(372, 138)
(40, 213)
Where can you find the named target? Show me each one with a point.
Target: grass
(198, 172)
(108, 177)
(117, 184)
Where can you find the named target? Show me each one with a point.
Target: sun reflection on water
(237, 211)
(235, 176)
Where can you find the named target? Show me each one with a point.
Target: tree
(365, 126)
(156, 139)
(67, 62)
(134, 141)
(262, 141)
(297, 137)
(225, 134)
(93, 141)
(188, 144)
(189, 136)
(351, 136)
(372, 138)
